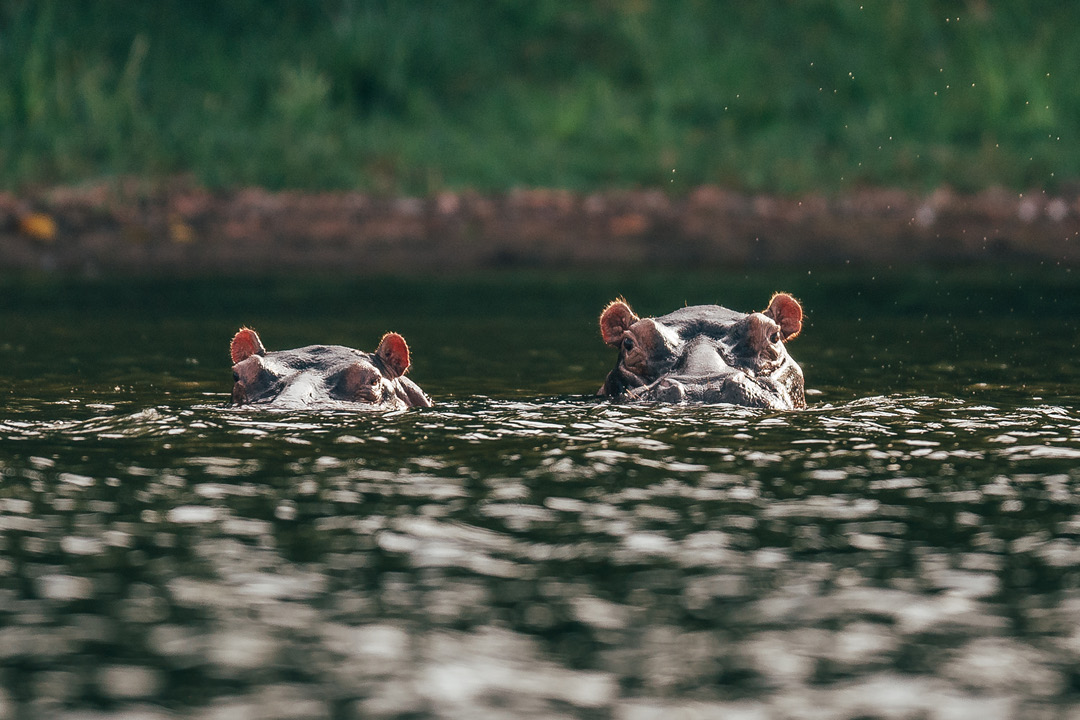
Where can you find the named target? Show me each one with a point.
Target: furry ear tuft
(245, 344)
(615, 320)
(787, 313)
(394, 354)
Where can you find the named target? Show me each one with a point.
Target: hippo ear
(394, 354)
(615, 320)
(787, 313)
(245, 344)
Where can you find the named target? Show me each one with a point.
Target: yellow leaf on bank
(181, 232)
(38, 226)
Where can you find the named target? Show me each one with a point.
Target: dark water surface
(908, 547)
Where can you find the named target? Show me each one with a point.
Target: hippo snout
(704, 360)
(669, 390)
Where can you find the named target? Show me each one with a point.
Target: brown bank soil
(125, 228)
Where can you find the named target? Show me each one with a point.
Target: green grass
(423, 95)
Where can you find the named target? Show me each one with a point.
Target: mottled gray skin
(707, 354)
(324, 375)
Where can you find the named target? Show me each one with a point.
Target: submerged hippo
(323, 374)
(706, 353)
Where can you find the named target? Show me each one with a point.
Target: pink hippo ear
(394, 354)
(615, 320)
(245, 344)
(787, 313)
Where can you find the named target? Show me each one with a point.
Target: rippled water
(908, 547)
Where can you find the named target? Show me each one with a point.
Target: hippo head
(706, 353)
(323, 374)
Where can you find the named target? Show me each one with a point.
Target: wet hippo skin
(706, 353)
(323, 375)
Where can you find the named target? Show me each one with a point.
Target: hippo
(323, 375)
(707, 354)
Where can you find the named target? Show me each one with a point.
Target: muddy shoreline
(125, 229)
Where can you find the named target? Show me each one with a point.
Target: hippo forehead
(319, 359)
(709, 320)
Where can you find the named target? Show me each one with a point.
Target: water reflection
(907, 547)
(894, 556)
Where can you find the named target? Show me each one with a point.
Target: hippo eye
(628, 344)
(774, 337)
(236, 377)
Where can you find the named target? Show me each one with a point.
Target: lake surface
(907, 547)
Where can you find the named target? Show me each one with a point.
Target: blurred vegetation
(416, 96)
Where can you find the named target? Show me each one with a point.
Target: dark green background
(414, 97)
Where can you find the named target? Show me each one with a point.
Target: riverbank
(125, 228)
